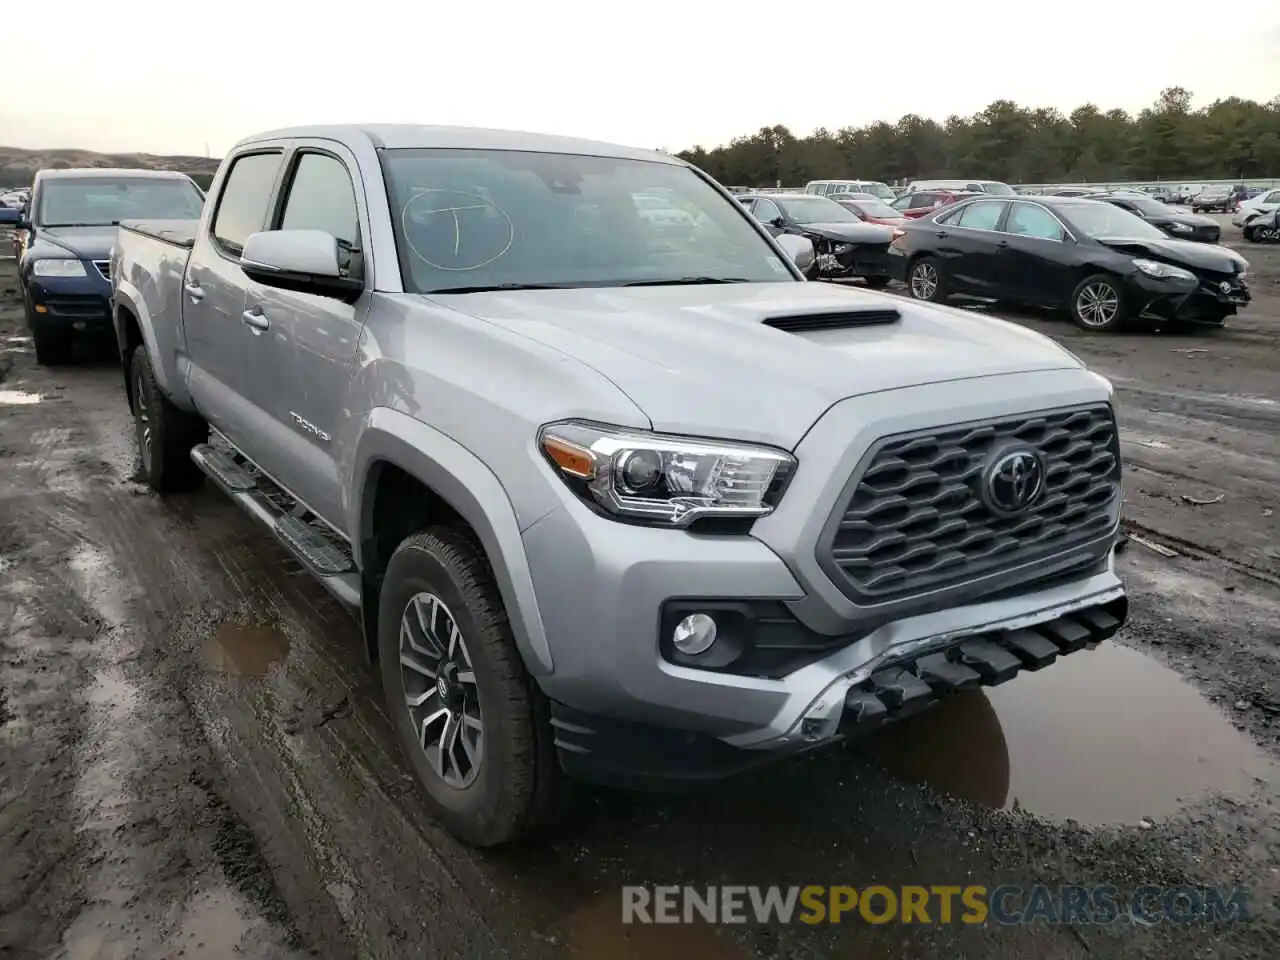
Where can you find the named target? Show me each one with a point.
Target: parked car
(1263, 226)
(609, 505)
(870, 210)
(1073, 192)
(1176, 223)
(1265, 200)
(844, 245)
(1104, 264)
(919, 204)
(833, 188)
(1219, 199)
(996, 188)
(63, 268)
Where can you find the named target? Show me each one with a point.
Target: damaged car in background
(845, 245)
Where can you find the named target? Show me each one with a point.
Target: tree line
(1228, 139)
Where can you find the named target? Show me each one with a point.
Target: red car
(914, 205)
(871, 210)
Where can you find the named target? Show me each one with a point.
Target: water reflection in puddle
(247, 650)
(1101, 736)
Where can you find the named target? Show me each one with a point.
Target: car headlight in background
(1180, 228)
(1162, 271)
(58, 268)
(665, 480)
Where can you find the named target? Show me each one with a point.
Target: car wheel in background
(1097, 303)
(1248, 234)
(470, 719)
(927, 281)
(165, 433)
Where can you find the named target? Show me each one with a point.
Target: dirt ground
(195, 760)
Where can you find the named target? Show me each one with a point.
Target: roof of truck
(394, 136)
(88, 172)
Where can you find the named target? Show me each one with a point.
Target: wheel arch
(408, 474)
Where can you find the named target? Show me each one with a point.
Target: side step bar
(316, 547)
(986, 660)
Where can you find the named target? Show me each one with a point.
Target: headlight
(665, 480)
(58, 268)
(1179, 228)
(1162, 271)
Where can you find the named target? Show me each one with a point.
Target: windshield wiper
(493, 287)
(684, 281)
(57, 226)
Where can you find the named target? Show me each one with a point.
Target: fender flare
(124, 297)
(469, 487)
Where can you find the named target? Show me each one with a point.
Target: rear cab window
(243, 202)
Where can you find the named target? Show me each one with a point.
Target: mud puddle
(1103, 736)
(246, 650)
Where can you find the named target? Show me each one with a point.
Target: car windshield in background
(874, 208)
(998, 189)
(880, 190)
(1152, 207)
(1095, 218)
(816, 210)
(504, 219)
(94, 202)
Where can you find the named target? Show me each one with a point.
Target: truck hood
(86, 243)
(700, 359)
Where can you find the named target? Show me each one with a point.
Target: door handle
(256, 321)
(1002, 243)
(195, 291)
(942, 233)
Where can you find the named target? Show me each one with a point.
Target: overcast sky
(156, 76)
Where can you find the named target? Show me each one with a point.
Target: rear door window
(982, 215)
(242, 207)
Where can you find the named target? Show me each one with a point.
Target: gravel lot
(194, 758)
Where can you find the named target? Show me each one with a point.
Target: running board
(316, 547)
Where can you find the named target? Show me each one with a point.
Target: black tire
(1108, 312)
(876, 283)
(1248, 234)
(164, 451)
(927, 280)
(518, 788)
(54, 347)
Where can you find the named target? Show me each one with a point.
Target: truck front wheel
(165, 433)
(468, 715)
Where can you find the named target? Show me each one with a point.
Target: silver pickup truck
(615, 502)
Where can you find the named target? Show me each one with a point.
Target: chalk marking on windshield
(455, 212)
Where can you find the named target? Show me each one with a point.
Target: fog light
(694, 634)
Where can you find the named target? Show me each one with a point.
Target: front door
(304, 345)
(1036, 266)
(971, 247)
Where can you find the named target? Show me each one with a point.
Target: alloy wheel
(924, 281)
(142, 418)
(1266, 234)
(440, 690)
(1098, 305)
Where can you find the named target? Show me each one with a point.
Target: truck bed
(180, 233)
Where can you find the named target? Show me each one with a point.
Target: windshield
(997, 189)
(105, 201)
(874, 208)
(815, 210)
(480, 219)
(881, 190)
(1094, 218)
(1152, 207)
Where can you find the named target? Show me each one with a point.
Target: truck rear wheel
(165, 433)
(470, 719)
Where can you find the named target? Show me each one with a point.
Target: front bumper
(1195, 301)
(602, 589)
(863, 260)
(73, 303)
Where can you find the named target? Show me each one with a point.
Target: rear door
(302, 347)
(213, 294)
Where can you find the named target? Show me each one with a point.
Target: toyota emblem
(1013, 482)
(1225, 286)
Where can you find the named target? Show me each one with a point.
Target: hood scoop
(837, 320)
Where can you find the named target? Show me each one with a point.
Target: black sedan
(1176, 223)
(845, 246)
(1104, 264)
(1214, 199)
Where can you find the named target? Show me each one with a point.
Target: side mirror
(799, 249)
(305, 261)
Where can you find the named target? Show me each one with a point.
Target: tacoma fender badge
(309, 427)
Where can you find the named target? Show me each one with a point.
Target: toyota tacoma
(612, 502)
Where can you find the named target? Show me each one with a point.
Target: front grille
(78, 307)
(915, 520)
(104, 268)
